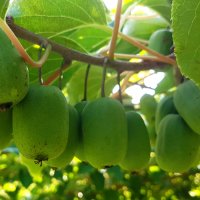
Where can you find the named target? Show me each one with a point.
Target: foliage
(81, 181)
(186, 37)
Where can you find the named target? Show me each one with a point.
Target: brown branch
(70, 54)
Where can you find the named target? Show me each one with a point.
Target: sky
(110, 3)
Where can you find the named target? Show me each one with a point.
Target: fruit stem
(104, 77)
(62, 66)
(86, 82)
(21, 49)
(120, 89)
(40, 69)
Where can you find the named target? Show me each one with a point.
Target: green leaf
(67, 22)
(51, 17)
(186, 27)
(115, 173)
(75, 86)
(163, 7)
(3, 7)
(98, 180)
(90, 38)
(25, 178)
(111, 194)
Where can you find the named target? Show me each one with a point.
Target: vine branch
(70, 54)
(115, 30)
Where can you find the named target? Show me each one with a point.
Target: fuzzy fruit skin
(14, 77)
(80, 150)
(5, 128)
(41, 123)
(177, 145)
(165, 106)
(148, 106)
(187, 101)
(67, 155)
(161, 41)
(105, 134)
(34, 169)
(138, 147)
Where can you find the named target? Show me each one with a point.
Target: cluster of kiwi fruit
(25, 111)
(175, 120)
(108, 135)
(45, 128)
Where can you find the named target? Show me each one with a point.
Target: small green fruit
(177, 145)
(41, 123)
(138, 148)
(67, 155)
(14, 77)
(161, 41)
(5, 128)
(105, 134)
(165, 106)
(148, 106)
(187, 101)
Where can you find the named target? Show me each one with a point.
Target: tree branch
(70, 54)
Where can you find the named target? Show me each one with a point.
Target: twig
(120, 89)
(115, 30)
(142, 57)
(150, 51)
(86, 82)
(20, 48)
(124, 84)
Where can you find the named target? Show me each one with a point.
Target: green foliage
(161, 41)
(3, 7)
(177, 145)
(186, 27)
(80, 179)
(41, 123)
(72, 25)
(161, 6)
(56, 14)
(75, 86)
